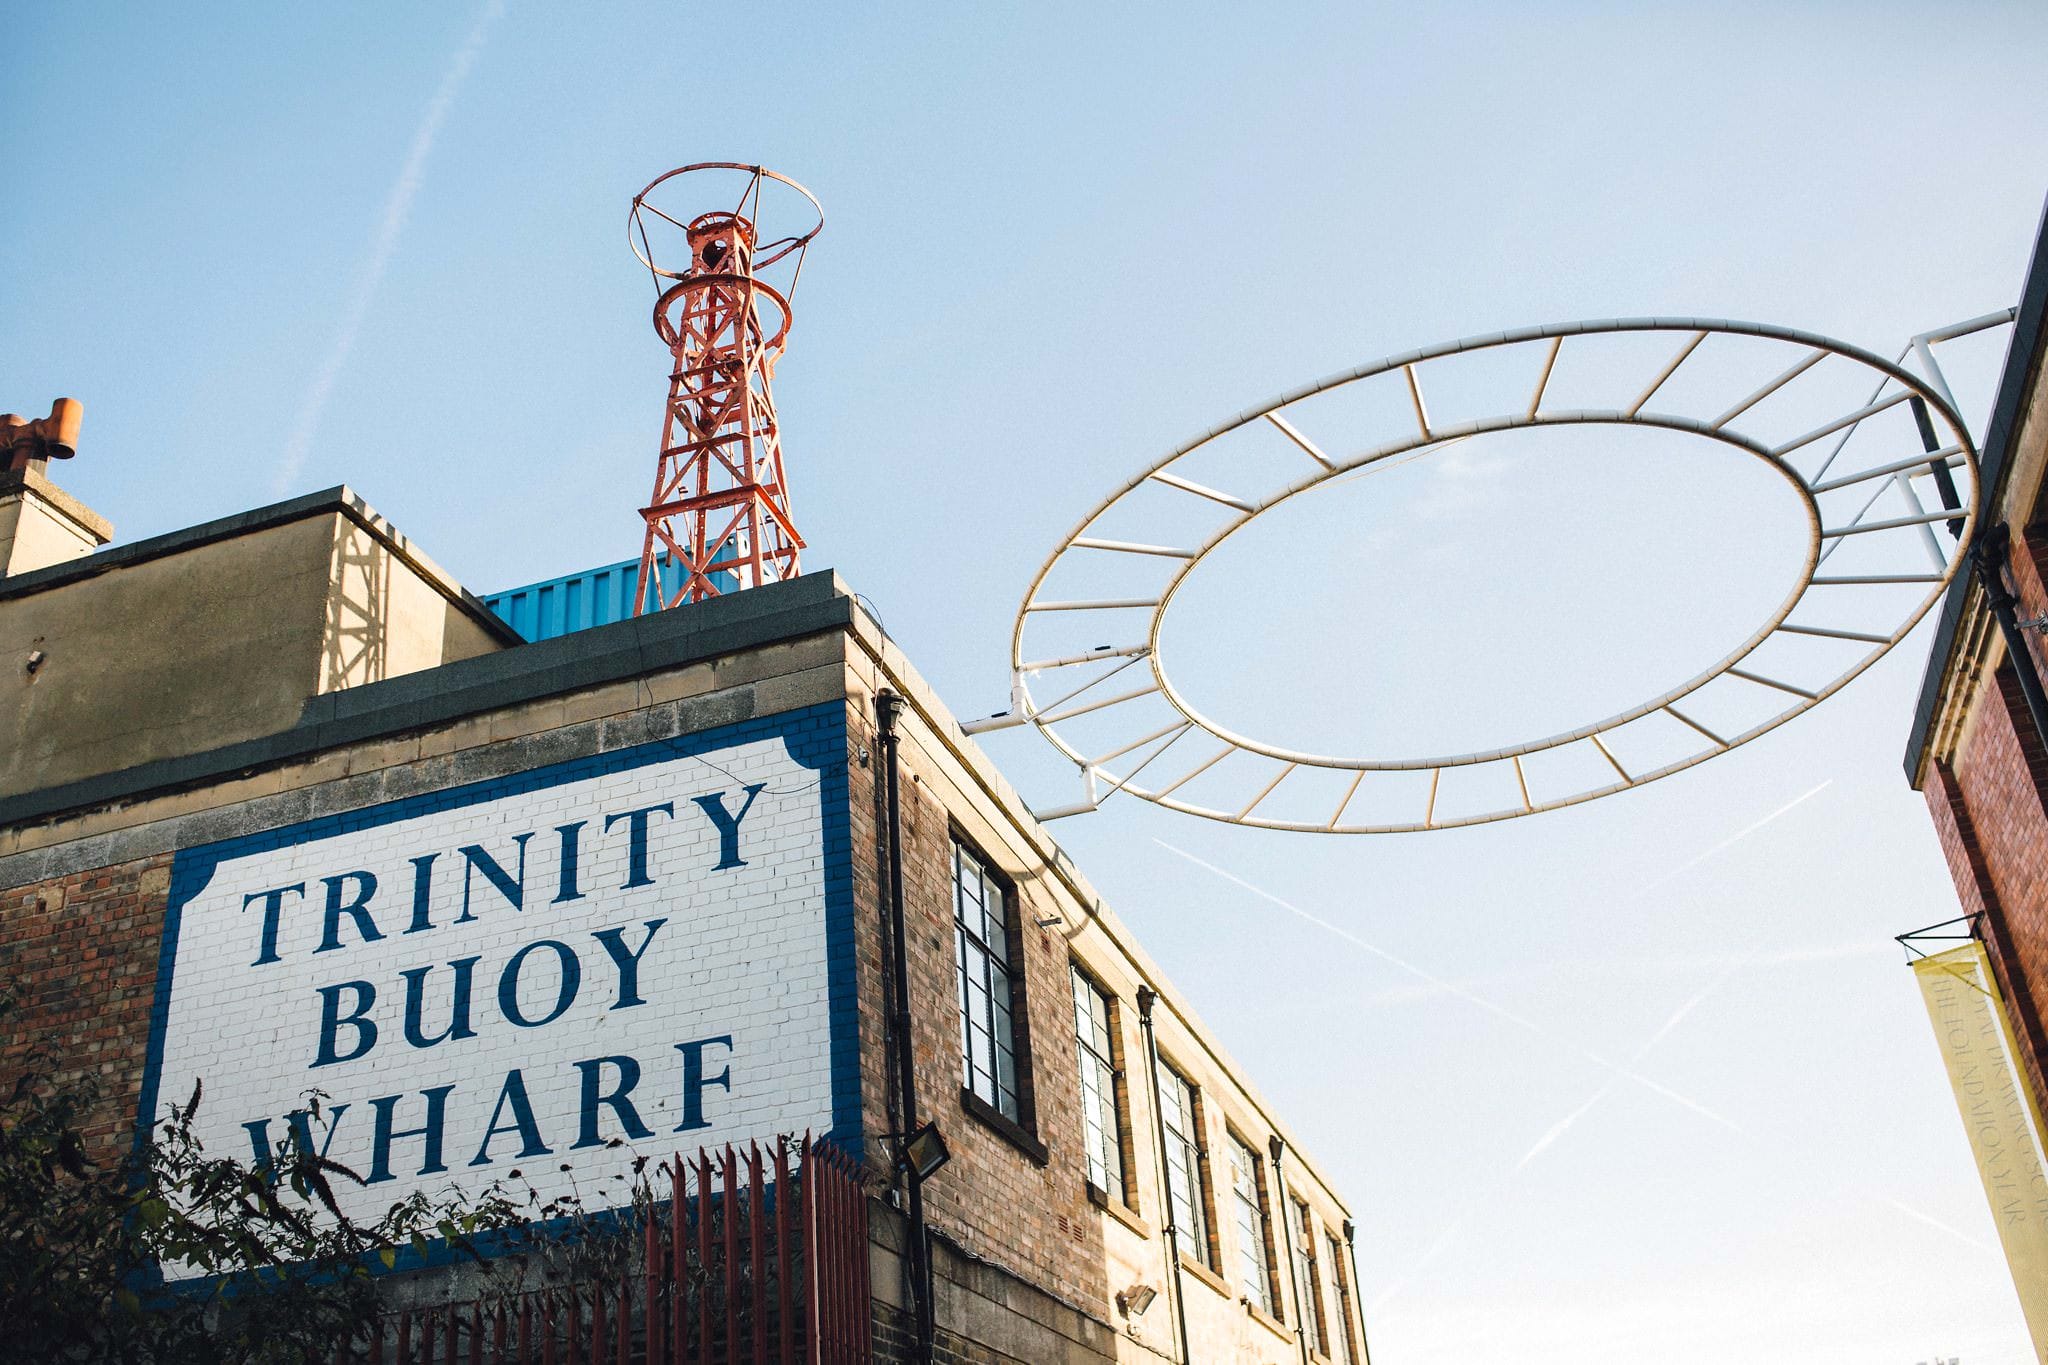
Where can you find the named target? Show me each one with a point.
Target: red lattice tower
(719, 519)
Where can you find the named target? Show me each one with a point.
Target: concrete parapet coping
(436, 696)
(34, 480)
(339, 500)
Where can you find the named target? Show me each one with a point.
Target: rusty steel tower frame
(719, 518)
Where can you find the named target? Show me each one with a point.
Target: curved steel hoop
(746, 204)
(1907, 541)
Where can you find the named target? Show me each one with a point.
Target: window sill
(1116, 1209)
(1206, 1276)
(1267, 1321)
(1007, 1128)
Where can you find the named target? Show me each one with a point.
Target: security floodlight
(1134, 1301)
(923, 1152)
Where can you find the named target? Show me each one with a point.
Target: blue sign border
(815, 737)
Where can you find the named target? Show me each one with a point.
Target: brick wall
(1012, 1209)
(1991, 814)
(79, 955)
(1024, 1204)
(740, 965)
(2027, 573)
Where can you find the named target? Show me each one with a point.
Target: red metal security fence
(743, 1258)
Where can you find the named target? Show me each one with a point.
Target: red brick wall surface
(994, 1198)
(1990, 813)
(1958, 836)
(79, 955)
(2027, 561)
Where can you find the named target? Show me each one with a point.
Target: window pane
(1109, 1141)
(1091, 1120)
(998, 992)
(1172, 1111)
(1090, 1116)
(1183, 1163)
(1309, 1284)
(981, 949)
(1101, 1142)
(1187, 1214)
(1342, 1326)
(1252, 1278)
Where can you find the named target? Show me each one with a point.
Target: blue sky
(273, 249)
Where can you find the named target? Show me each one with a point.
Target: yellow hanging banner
(1976, 1038)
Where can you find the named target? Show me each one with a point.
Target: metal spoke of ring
(1774, 385)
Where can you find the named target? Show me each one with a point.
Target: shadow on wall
(358, 613)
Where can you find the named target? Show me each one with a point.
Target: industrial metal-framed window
(1254, 1243)
(1187, 1163)
(982, 950)
(1342, 1281)
(1309, 1282)
(1103, 1106)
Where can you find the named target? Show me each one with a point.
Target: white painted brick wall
(743, 953)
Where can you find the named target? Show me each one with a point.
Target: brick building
(284, 806)
(1979, 753)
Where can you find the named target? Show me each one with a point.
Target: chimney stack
(41, 524)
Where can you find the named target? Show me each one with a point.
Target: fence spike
(650, 1267)
(805, 1203)
(783, 1342)
(731, 1223)
(704, 1254)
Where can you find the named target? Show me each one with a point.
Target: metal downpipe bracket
(918, 1268)
(1147, 997)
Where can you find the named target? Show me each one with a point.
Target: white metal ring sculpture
(1247, 776)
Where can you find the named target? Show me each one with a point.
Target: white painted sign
(652, 945)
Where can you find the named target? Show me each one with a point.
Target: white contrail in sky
(1451, 987)
(1443, 1241)
(1739, 835)
(1558, 1129)
(1522, 1021)
(390, 224)
(1617, 1072)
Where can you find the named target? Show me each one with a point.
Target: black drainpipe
(1986, 557)
(888, 706)
(1286, 1212)
(1146, 999)
(1357, 1290)
(1987, 561)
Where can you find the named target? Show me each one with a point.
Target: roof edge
(340, 500)
(2023, 359)
(430, 697)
